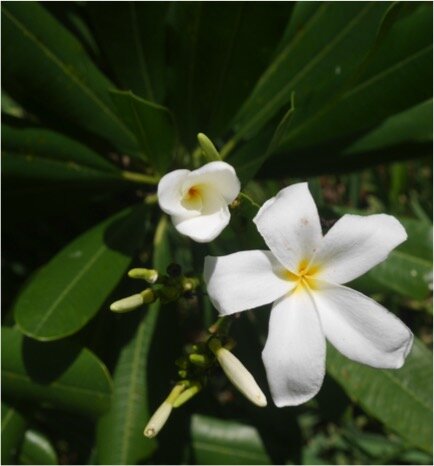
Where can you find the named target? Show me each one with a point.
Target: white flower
(198, 200)
(303, 275)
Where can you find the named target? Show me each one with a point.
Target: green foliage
(99, 101)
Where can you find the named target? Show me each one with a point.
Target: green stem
(228, 148)
(139, 177)
(245, 196)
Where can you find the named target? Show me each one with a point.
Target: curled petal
(355, 244)
(290, 225)
(218, 175)
(170, 192)
(244, 280)
(294, 355)
(360, 328)
(209, 224)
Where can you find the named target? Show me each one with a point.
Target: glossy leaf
(13, 428)
(131, 36)
(152, 126)
(217, 441)
(40, 142)
(401, 399)
(63, 81)
(72, 287)
(120, 437)
(394, 77)
(325, 46)
(218, 52)
(37, 449)
(56, 374)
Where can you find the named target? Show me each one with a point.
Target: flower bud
(208, 147)
(187, 394)
(158, 420)
(134, 301)
(127, 304)
(237, 373)
(150, 275)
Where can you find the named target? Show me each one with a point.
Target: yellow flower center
(192, 198)
(305, 276)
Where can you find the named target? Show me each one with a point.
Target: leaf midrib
(81, 85)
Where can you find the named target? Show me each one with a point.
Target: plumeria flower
(198, 200)
(302, 275)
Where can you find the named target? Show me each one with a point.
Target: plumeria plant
(217, 235)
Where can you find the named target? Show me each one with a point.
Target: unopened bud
(127, 304)
(158, 420)
(187, 394)
(238, 374)
(200, 360)
(208, 147)
(134, 301)
(150, 275)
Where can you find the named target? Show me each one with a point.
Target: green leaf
(217, 441)
(37, 449)
(401, 399)
(120, 437)
(151, 124)
(326, 44)
(40, 142)
(131, 36)
(72, 287)
(396, 75)
(13, 428)
(218, 52)
(57, 374)
(63, 81)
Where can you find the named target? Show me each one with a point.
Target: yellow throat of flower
(306, 276)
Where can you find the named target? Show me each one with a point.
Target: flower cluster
(302, 273)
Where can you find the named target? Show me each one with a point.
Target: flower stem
(245, 196)
(139, 177)
(228, 148)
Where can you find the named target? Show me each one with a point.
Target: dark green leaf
(131, 35)
(39, 142)
(216, 441)
(218, 52)
(401, 399)
(71, 288)
(56, 374)
(63, 81)
(120, 437)
(327, 43)
(396, 76)
(13, 428)
(37, 449)
(151, 124)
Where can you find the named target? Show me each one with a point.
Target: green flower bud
(208, 147)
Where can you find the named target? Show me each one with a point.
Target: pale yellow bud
(158, 420)
(238, 374)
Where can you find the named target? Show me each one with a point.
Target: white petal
(294, 355)
(290, 225)
(170, 192)
(219, 175)
(244, 280)
(362, 329)
(208, 224)
(355, 244)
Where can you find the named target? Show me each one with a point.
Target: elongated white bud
(150, 275)
(134, 301)
(127, 304)
(238, 374)
(158, 420)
